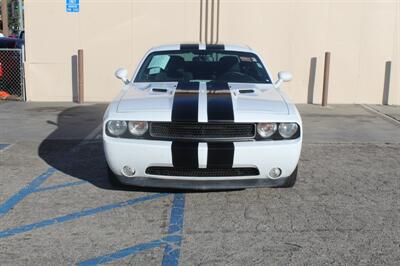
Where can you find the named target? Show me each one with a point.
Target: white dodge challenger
(198, 116)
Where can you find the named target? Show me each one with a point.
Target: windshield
(202, 65)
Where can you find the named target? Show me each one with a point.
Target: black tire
(291, 180)
(114, 181)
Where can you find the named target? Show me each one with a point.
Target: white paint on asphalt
(384, 116)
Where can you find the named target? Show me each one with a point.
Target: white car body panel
(141, 154)
(140, 102)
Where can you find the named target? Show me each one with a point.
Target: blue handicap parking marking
(131, 251)
(176, 220)
(63, 185)
(3, 146)
(77, 215)
(35, 186)
(172, 241)
(172, 251)
(24, 192)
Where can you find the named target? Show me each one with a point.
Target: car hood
(156, 100)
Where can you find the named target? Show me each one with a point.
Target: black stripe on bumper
(186, 102)
(220, 154)
(185, 154)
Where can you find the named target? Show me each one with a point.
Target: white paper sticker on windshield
(154, 70)
(245, 59)
(159, 61)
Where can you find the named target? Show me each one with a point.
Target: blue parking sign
(72, 5)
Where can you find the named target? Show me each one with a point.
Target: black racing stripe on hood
(189, 47)
(185, 154)
(219, 102)
(186, 102)
(215, 47)
(220, 154)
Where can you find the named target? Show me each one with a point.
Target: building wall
(291, 35)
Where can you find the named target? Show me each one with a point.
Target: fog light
(275, 172)
(127, 171)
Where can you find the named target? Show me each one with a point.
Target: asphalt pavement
(57, 207)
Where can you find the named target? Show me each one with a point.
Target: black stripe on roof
(215, 47)
(189, 47)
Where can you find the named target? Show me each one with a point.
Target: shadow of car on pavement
(69, 150)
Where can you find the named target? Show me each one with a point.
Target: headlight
(116, 127)
(138, 128)
(287, 130)
(266, 130)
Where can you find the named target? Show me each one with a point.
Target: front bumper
(202, 185)
(141, 154)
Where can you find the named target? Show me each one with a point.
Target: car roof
(201, 46)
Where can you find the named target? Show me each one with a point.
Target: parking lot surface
(57, 207)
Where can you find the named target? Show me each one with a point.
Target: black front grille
(202, 172)
(202, 130)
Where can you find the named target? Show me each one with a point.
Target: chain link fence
(12, 80)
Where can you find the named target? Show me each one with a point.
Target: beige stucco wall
(361, 35)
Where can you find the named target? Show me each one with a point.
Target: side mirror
(283, 76)
(122, 74)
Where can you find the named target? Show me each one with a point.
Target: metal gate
(12, 74)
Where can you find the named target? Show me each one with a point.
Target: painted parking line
(95, 133)
(172, 252)
(3, 146)
(172, 241)
(28, 189)
(63, 185)
(383, 115)
(91, 137)
(77, 215)
(34, 185)
(129, 251)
